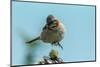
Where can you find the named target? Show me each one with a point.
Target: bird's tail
(38, 38)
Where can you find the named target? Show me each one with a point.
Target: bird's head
(52, 22)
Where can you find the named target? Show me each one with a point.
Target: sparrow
(52, 32)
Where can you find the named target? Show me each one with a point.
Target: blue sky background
(29, 18)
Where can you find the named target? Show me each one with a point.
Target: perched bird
(53, 32)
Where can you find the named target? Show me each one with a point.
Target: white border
(5, 33)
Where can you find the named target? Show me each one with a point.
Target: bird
(52, 32)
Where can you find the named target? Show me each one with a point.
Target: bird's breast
(51, 36)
